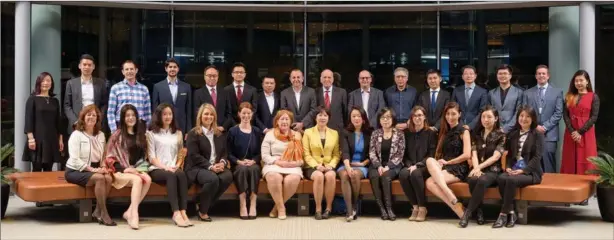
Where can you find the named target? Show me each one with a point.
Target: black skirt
(460, 170)
(78, 177)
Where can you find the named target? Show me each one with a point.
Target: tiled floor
(25, 221)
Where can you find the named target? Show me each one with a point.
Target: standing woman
(580, 115)
(386, 151)
(166, 154)
(355, 154)
(524, 147)
(127, 160)
(420, 142)
(43, 121)
(450, 162)
(487, 147)
(282, 154)
(245, 158)
(206, 164)
(321, 151)
(85, 166)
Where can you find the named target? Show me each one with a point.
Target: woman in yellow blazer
(321, 152)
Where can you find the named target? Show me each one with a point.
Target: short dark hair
(86, 57)
(130, 61)
(433, 71)
(384, 111)
(321, 109)
(468, 67)
(505, 67)
(529, 110)
(211, 67)
(169, 61)
(268, 76)
(542, 66)
(238, 64)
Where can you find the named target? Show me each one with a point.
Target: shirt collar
(83, 81)
(330, 89)
(367, 91)
(176, 82)
(269, 95)
(206, 131)
(128, 82)
(236, 84)
(471, 86)
(435, 90)
(545, 86)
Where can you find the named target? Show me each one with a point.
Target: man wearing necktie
(332, 98)
(367, 97)
(471, 98)
(434, 99)
(547, 101)
(176, 93)
(212, 94)
(242, 91)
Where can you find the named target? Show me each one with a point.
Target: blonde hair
(197, 128)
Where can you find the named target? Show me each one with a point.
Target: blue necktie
(433, 100)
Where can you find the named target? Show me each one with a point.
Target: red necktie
(239, 93)
(327, 99)
(214, 96)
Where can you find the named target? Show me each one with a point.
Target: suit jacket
(315, 154)
(199, 151)
(338, 107)
(507, 110)
(346, 143)
(376, 103)
(552, 111)
(532, 150)
(306, 106)
(202, 96)
(73, 100)
(182, 105)
(249, 95)
(264, 116)
(470, 112)
(434, 115)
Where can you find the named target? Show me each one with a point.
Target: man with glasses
(506, 98)
(470, 97)
(211, 94)
(401, 97)
(239, 91)
(368, 98)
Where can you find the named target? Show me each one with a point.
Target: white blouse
(164, 146)
(210, 135)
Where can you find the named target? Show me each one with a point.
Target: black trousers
(247, 178)
(176, 187)
(213, 186)
(40, 166)
(413, 185)
(381, 185)
(478, 186)
(507, 187)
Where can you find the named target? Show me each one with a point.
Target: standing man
(211, 94)
(547, 100)
(300, 100)
(470, 97)
(83, 91)
(176, 93)
(128, 91)
(268, 105)
(506, 98)
(401, 97)
(434, 99)
(368, 98)
(241, 91)
(333, 98)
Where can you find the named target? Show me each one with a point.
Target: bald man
(333, 98)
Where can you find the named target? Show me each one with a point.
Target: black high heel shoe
(480, 217)
(465, 219)
(501, 221)
(101, 222)
(512, 218)
(207, 219)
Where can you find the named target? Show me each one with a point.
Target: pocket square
(183, 94)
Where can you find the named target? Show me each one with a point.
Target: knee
(317, 176)
(343, 176)
(330, 176)
(273, 178)
(108, 179)
(502, 179)
(404, 174)
(146, 178)
(292, 179)
(430, 183)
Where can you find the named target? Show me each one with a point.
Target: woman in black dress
(43, 121)
(450, 162)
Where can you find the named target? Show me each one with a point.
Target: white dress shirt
(209, 135)
(297, 95)
(87, 92)
(270, 100)
(330, 93)
(436, 93)
(365, 99)
(235, 84)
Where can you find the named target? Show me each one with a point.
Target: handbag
(142, 166)
(520, 164)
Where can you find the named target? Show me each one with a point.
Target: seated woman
(84, 166)
(486, 150)
(165, 149)
(126, 155)
(450, 162)
(245, 158)
(524, 147)
(354, 145)
(386, 149)
(321, 152)
(206, 163)
(420, 144)
(282, 154)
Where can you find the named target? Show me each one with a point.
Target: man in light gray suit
(506, 98)
(548, 103)
(368, 98)
(300, 100)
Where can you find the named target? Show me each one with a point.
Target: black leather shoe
(480, 217)
(465, 219)
(101, 222)
(382, 209)
(391, 215)
(207, 219)
(501, 221)
(512, 218)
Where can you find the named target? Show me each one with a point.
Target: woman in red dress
(580, 115)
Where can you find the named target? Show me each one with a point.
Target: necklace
(47, 99)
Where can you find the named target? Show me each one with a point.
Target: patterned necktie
(327, 99)
(467, 96)
(239, 93)
(433, 100)
(541, 97)
(214, 97)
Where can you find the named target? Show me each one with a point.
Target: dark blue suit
(183, 102)
(471, 111)
(264, 117)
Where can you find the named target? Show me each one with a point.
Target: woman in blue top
(354, 152)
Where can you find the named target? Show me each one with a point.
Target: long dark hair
(39, 81)
(410, 125)
(139, 129)
(572, 92)
(480, 128)
(445, 127)
(156, 121)
(528, 110)
(366, 126)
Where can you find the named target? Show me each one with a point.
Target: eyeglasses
(238, 72)
(386, 117)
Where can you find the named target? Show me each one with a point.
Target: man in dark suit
(506, 98)
(212, 94)
(176, 93)
(401, 97)
(268, 105)
(83, 91)
(434, 99)
(547, 101)
(333, 98)
(239, 91)
(368, 98)
(471, 98)
(300, 100)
